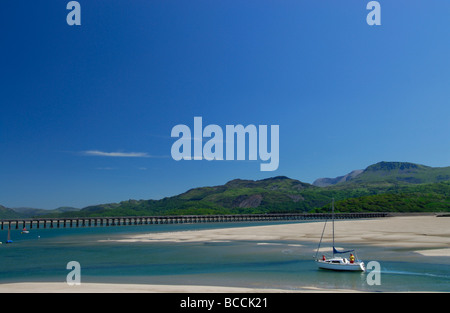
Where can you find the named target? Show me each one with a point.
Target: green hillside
(7, 213)
(278, 194)
(25, 212)
(284, 196)
(434, 197)
(385, 186)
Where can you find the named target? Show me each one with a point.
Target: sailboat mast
(332, 213)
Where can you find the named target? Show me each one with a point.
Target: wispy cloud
(120, 154)
(117, 154)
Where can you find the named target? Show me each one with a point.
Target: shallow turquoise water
(43, 255)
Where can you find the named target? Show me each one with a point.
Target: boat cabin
(337, 261)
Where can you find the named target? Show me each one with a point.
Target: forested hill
(385, 186)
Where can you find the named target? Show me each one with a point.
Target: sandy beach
(141, 288)
(429, 234)
(426, 235)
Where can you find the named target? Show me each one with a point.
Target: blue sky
(345, 94)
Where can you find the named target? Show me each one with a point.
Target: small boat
(341, 264)
(338, 263)
(8, 240)
(25, 231)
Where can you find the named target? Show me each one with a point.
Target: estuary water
(43, 254)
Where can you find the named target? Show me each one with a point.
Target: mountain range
(384, 186)
(24, 212)
(391, 172)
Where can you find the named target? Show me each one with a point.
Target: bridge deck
(175, 219)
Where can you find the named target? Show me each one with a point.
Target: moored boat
(335, 262)
(340, 264)
(8, 240)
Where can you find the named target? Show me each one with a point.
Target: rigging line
(323, 231)
(332, 208)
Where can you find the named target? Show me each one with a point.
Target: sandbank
(62, 287)
(429, 234)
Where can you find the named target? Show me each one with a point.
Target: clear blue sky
(345, 94)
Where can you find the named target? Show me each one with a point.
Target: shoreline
(62, 287)
(428, 236)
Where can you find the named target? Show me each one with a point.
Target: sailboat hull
(338, 265)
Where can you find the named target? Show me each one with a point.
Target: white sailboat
(338, 263)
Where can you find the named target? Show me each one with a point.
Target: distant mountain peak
(392, 172)
(276, 178)
(323, 182)
(389, 166)
(261, 182)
